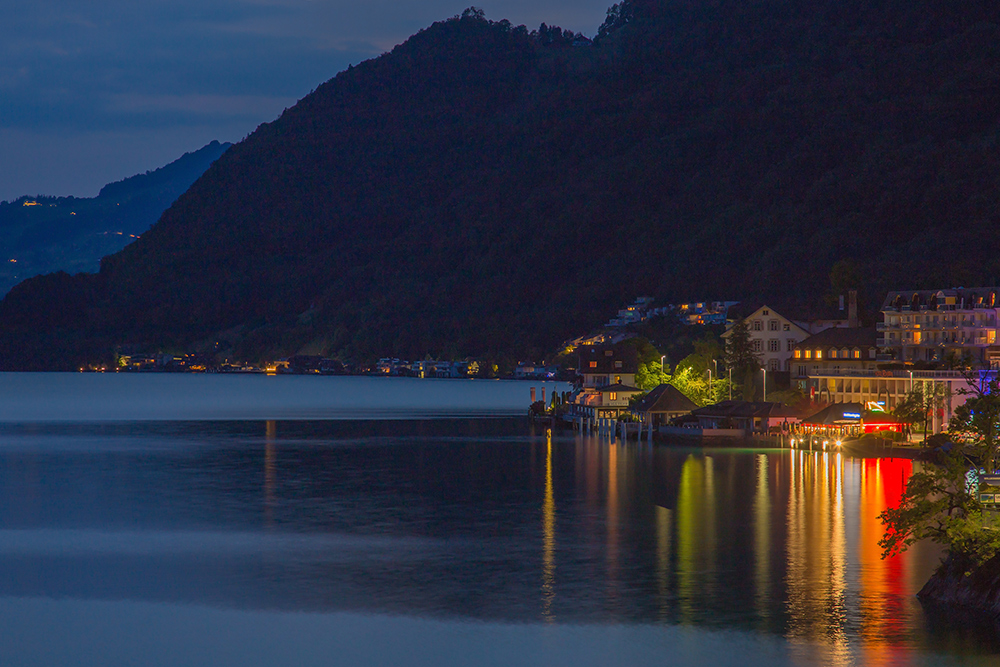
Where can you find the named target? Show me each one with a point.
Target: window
(767, 312)
(618, 364)
(609, 353)
(791, 344)
(833, 354)
(774, 345)
(798, 354)
(618, 379)
(809, 354)
(593, 364)
(775, 365)
(758, 345)
(786, 327)
(819, 354)
(758, 325)
(613, 396)
(802, 371)
(857, 353)
(772, 325)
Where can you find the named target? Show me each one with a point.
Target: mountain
(44, 234)
(484, 190)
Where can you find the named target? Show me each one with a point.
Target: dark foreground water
(472, 541)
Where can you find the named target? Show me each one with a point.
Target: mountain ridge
(483, 190)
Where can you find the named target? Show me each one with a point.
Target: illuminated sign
(852, 415)
(875, 406)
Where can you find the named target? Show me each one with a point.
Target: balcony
(881, 326)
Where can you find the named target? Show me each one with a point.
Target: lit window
(593, 364)
(857, 354)
(798, 354)
(833, 354)
(809, 354)
(786, 327)
(819, 354)
(618, 364)
(614, 396)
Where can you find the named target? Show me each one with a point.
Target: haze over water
(135, 528)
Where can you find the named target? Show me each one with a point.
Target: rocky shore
(956, 585)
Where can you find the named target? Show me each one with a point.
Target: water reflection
(465, 519)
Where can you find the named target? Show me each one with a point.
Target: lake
(248, 520)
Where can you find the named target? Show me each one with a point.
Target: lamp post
(661, 363)
(709, 384)
(911, 380)
(730, 384)
(764, 371)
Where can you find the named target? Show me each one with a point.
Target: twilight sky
(93, 91)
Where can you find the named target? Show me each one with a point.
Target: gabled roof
(665, 398)
(863, 337)
(772, 313)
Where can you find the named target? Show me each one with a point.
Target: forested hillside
(486, 190)
(44, 234)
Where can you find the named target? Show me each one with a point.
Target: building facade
(773, 338)
(941, 325)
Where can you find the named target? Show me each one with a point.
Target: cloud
(80, 69)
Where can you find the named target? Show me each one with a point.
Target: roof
(841, 337)
(605, 357)
(745, 409)
(665, 398)
(929, 299)
(847, 413)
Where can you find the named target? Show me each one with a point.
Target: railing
(895, 374)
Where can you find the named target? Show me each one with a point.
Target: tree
(920, 402)
(940, 502)
(740, 357)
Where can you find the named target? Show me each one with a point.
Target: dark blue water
(471, 541)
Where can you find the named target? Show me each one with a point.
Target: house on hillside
(607, 381)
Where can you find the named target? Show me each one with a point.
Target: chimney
(852, 309)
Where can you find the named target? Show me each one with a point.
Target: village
(830, 380)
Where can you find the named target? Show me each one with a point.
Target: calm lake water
(244, 520)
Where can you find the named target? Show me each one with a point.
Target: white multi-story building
(935, 325)
(773, 337)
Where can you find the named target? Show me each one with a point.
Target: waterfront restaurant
(850, 420)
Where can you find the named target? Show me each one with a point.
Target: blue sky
(93, 91)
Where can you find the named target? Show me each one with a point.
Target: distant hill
(485, 190)
(72, 234)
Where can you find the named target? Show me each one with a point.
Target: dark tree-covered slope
(482, 190)
(44, 234)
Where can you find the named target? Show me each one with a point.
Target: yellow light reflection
(663, 521)
(548, 536)
(695, 533)
(762, 543)
(817, 556)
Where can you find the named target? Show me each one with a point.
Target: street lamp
(730, 383)
(911, 380)
(661, 363)
(710, 384)
(764, 371)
